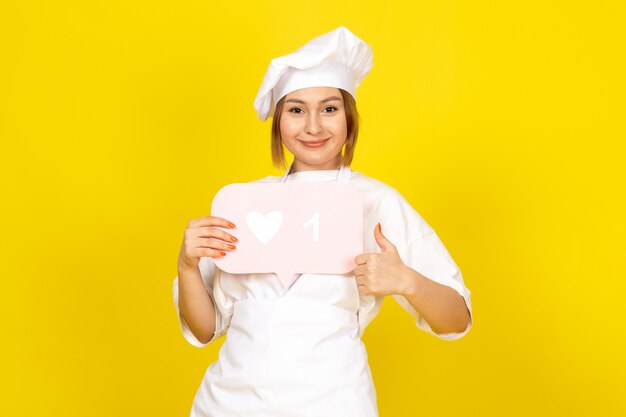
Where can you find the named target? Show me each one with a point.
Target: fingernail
(232, 247)
(232, 226)
(234, 239)
(222, 254)
(379, 228)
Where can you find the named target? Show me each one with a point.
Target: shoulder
(375, 191)
(388, 205)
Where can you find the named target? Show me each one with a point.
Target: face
(313, 127)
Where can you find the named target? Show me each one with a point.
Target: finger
(363, 290)
(363, 259)
(206, 252)
(216, 233)
(382, 241)
(215, 244)
(212, 221)
(359, 270)
(361, 281)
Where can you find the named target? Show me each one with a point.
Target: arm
(381, 274)
(195, 304)
(441, 306)
(197, 310)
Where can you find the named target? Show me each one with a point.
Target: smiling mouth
(314, 143)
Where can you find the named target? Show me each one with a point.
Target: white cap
(335, 59)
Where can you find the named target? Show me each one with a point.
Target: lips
(314, 143)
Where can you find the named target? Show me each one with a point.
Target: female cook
(299, 352)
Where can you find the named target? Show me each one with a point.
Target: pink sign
(291, 228)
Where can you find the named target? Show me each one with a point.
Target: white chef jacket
(418, 246)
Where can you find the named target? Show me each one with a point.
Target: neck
(299, 166)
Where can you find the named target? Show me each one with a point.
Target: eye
(296, 110)
(330, 109)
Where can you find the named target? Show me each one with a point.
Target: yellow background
(501, 122)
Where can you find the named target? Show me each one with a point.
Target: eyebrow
(297, 100)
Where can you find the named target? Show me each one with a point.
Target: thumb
(385, 245)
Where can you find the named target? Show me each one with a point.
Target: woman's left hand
(382, 273)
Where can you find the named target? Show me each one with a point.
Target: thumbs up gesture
(381, 273)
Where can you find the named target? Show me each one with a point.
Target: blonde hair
(352, 124)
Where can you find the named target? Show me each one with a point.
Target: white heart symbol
(264, 227)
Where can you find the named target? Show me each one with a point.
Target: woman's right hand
(203, 238)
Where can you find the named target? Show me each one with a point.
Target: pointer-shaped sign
(291, 228)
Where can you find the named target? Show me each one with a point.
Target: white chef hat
(335, 59)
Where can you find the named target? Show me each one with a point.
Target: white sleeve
(421, 249)
(208, 271)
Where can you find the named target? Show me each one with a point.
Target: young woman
(300, 353)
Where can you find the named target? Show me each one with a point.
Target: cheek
(288, 129)
(339, 128)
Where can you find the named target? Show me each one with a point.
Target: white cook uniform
(298, 352)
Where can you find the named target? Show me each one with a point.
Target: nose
(313, 124)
